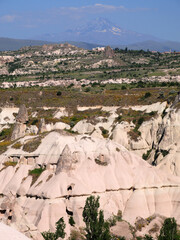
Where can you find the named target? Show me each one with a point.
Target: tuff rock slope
(74, 168)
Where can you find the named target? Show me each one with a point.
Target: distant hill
(153, 46)
(10, 44)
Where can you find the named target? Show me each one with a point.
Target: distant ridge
(153, 46)
(10, 44)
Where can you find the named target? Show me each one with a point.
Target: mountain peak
(101, 31)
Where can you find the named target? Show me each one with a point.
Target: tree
(60, 226)
(169, 230)
(96, 227)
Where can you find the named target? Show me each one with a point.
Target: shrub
(147, 237)
(71, 221)
(147, 94)
(35, 173)
(4, 145)
(10, 163)
(140, 121)
(164, 152)
(5, 133)
(17, 145)
(123, 87)
(32, 145)
(88, 89)
(145, 156)
(115, 218)
(60, 226)
(100, 162)
(59, 93)
(105, 132)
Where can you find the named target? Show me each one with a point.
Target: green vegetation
(32, 145)
(90, 115)
(96, 228)
(5, 134)
(71, 221)
(100, 162)
(145, 156)
(169, 230)
(114, 219)
(35, 173)
(9, 163)
(164, 152)
(17, 145)
(137, 117)
(60, 233)
(4, 145)
(105, 132)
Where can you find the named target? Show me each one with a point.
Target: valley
(76, 123)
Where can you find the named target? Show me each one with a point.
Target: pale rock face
(120, 134)
(8, 233)
(60, 126)
(155, 107)
(6, 115)
(121, 229)
(151, 226)
(141, 144)
(83, 127)
(61, 112)
(125, 182)
(97, 133)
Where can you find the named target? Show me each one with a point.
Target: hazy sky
(27, 19)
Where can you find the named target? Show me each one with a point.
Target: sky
(29, 19)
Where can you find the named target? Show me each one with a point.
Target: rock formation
(108, 52)
(22, 116)
(8, 233)
(126, 183)
(20, 125)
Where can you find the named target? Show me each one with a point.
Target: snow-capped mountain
(99, 31)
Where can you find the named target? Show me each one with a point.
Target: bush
(147, 237)
(145, 156)
(9, 163)
(59, 93)
(147, 94)
(35, 173)
(5, 133)
(60, 226)
(17, 145)
(32, 145)
(164, 152)
(88, 89)
(123, 87)
(71, 221)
